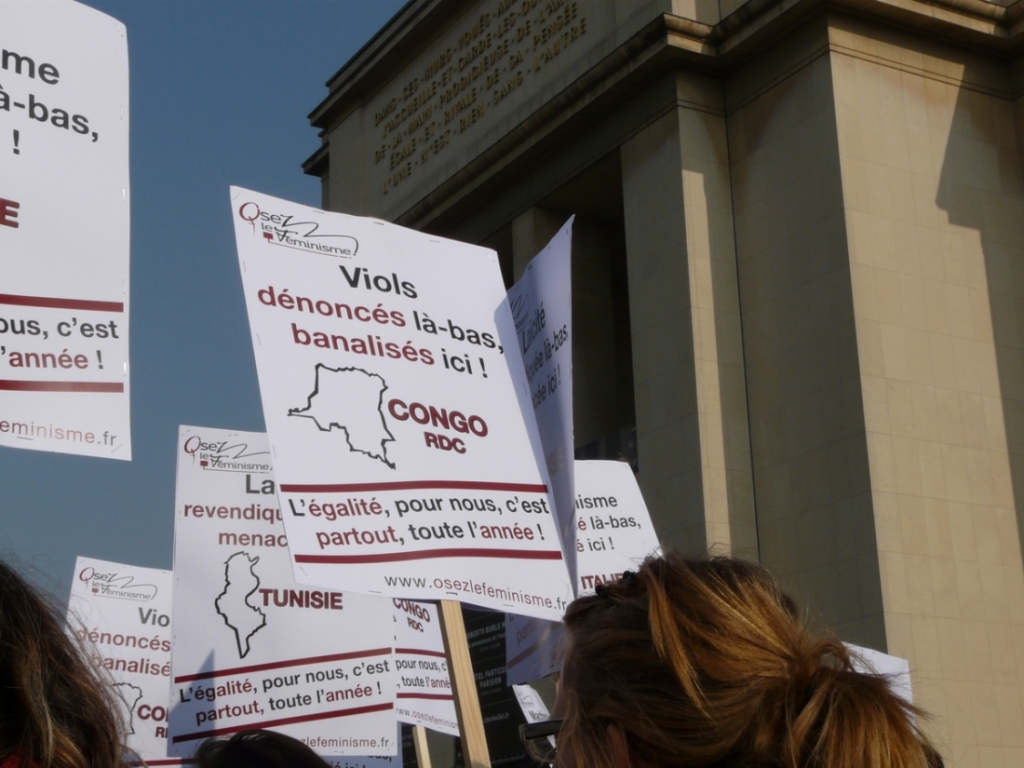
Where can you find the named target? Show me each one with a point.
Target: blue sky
(220, 90)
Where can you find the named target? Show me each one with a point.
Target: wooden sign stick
(419, 740)
(467, 702)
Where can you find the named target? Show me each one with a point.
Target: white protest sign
(614, 534)
(362, 761)
(895, 669)
(64, 236)
(253, 649)
(405, 465)
(533, 706)
(124, 612)
(541, 305)
(424, 688)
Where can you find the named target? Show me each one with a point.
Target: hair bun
(735, 677)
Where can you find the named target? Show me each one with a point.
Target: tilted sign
(614, 533)
(64, 237)
(253, 649)
(123, 613)
(541, 305)
(424, 687)
(406, 467)
(895, 669)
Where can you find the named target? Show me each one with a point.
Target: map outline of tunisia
(242, 618)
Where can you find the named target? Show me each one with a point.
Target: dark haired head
(707, 663)
(257, 749)
(56, 711)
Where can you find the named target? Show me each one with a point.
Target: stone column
(531, 231)
(934, 213)
(692, 429)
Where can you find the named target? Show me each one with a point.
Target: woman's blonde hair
(707, 663)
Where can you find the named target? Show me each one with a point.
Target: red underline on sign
(431, 696)
(10, 385)
(282, 664)
(429, 554)
(414, 485)
(43, 301)
(284, 721)
(419, 652)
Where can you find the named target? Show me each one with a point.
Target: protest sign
(533, 647)
(541, 306)
(613, 527)
(406, 467)
(124, 613)
(895, 669)
(64, 239)
(533, 706)
(614, 533)
(253, 649)
(424, 689)
(391, 761)
(365, 762)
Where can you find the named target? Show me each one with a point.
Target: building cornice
(398, 42)
(666, 42)
(976, 23)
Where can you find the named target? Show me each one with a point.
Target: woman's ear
(619, 747)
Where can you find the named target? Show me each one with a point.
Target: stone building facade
(798, 280)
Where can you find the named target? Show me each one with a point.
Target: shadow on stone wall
(980, 189)
(808, 435)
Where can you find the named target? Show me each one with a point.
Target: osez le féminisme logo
(225, 455)
(286, 231)
(116, 586)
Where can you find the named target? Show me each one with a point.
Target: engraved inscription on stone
(487, 57)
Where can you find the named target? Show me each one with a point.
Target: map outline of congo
(129, 706)
(329, 423)
(233, 622)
